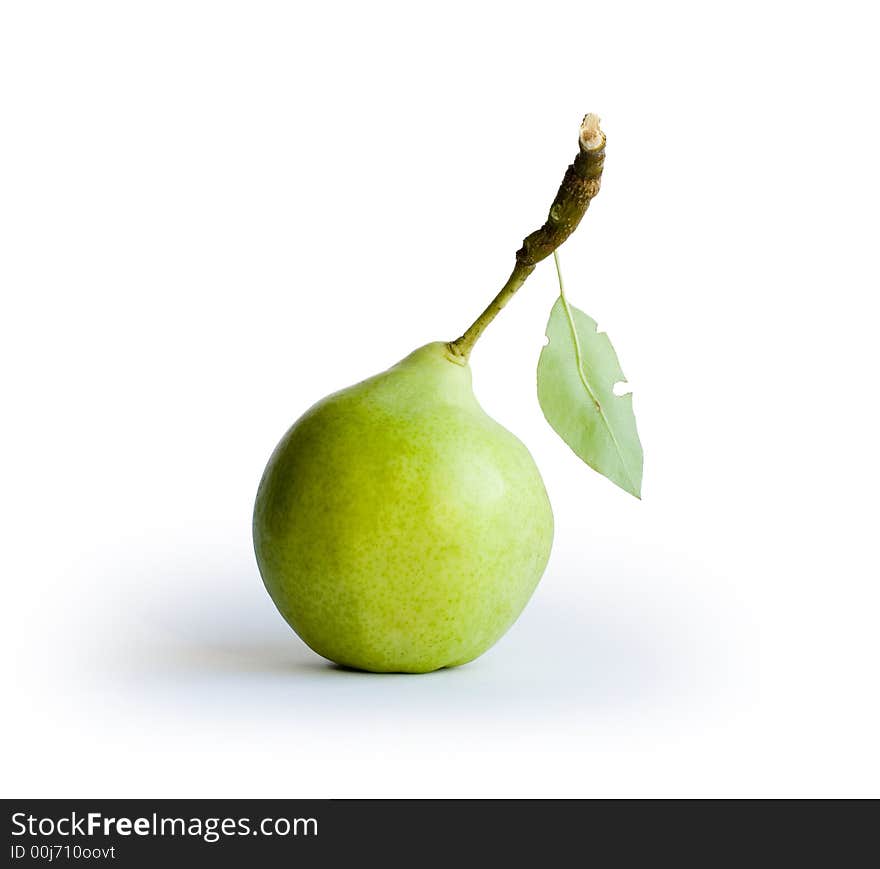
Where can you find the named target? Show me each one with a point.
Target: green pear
(398, 527)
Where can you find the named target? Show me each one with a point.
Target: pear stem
(579, 185)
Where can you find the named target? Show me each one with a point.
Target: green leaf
(577, 372)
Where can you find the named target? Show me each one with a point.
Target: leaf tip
(631, 487)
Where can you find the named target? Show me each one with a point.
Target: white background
(215, 213)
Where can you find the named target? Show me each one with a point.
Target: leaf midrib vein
(583, 376)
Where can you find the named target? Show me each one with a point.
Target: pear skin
(398, 527)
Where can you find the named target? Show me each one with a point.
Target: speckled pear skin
(397, 527)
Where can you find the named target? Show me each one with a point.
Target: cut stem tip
(591, 138)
